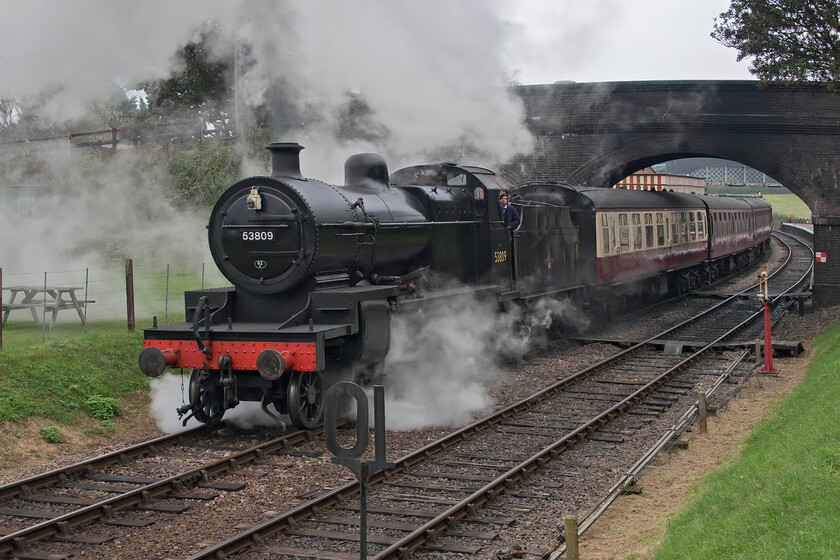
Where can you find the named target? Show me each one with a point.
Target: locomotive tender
(318, 269)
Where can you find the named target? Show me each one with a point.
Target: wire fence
(745, 176)
(60, 303)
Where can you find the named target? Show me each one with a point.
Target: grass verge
(782, 498)
(786, 206)
(66, 377)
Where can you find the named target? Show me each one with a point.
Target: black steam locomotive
(318, 269)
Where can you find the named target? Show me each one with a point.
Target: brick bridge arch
(597, 133)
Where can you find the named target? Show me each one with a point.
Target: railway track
(442, 497)
(116, 488)
(453, 495)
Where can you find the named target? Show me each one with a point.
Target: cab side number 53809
(500, 256)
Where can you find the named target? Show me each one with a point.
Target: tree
(203, 86)
(788, 40)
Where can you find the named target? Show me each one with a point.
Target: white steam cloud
(444, 359)
(431, 73)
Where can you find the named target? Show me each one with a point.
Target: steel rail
(60, 474)
(256, 535)
(17, 542)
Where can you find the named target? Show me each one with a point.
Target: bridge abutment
(827, 269)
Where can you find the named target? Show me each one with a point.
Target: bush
(103, 408)
(202, 174)
(51, 434)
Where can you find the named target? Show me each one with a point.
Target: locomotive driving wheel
(207, 396)
(305, 399)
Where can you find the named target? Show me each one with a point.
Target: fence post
(44, 315)
(571, 524)
(1, 308)
(87, 278)
(114, 138)
(702, 412)
(129, 292)
(166, 299)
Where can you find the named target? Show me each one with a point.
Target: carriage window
(605, 235)
(675, 236)
(623, 232)
(637, 231)
(683, 227)
(648, 229)
(692, 227)
(660, 230)
(701, 226)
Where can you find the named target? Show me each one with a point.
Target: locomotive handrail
(391, 225)
(252, 226)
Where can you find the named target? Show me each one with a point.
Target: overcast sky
(615, 40)
(49, 42)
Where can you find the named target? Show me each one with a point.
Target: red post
(764, 297)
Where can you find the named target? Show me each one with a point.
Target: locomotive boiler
(318, 270)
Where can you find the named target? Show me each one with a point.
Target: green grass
(786, 206)
(782, 498)
(71, 374)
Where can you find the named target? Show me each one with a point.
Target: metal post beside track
(351, 458)
(764, 296)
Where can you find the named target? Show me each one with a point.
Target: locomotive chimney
(285, 159)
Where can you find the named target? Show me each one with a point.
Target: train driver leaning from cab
(509, 214)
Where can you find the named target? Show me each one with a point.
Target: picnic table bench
(45, 298)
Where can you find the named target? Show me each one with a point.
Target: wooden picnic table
(56, 299)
